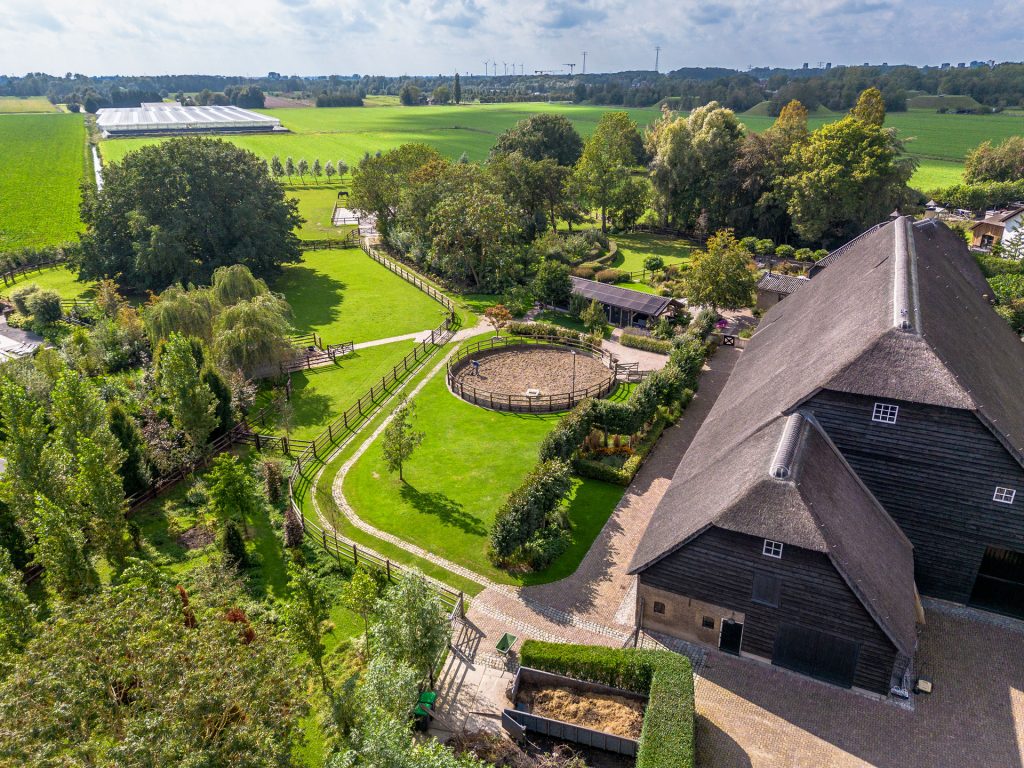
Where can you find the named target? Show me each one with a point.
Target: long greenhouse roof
(173, 115)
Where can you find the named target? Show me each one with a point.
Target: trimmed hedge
(533, 330)
(667, 737)
(611, 276)
(528, 509)
(646, 343)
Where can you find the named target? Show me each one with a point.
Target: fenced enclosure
(526, 403)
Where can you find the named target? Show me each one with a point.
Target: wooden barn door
(1000, 583)
(816, 654)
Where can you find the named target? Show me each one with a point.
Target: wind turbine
(505, 64)
(485, 68)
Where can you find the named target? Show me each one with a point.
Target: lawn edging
(667, 736)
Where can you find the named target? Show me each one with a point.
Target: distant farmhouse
(869, 444)
(164, 118)
(997, 227)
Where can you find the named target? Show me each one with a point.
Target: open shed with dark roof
(624, 307)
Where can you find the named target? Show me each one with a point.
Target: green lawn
(316, 206)
(322, 394)
(634, 248)
(468, 463)
(345, 296)
(16, 105)
(43, 161)
(59, 279)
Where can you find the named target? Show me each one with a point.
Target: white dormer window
(772, 549)
(885, 413)
(1004, 495)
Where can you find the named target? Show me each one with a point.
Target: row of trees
(303, 167)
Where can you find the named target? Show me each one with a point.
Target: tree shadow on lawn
(445, 509)
(315, 297)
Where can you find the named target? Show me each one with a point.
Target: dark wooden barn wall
(718, 567)
(934, 471)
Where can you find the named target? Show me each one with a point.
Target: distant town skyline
(418, 37)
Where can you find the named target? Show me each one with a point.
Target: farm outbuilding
(171, 118)
(624, 307)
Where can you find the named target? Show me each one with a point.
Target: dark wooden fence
(350, 240)
(10, 277)
(408, 276)
(500, 401)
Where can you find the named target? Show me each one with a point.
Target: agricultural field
(347, 133)
(16, 105)
(470, 460)
(43, 159)
(345, 296)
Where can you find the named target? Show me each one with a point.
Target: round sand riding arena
(528, 377)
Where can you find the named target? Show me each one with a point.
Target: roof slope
(774, 281)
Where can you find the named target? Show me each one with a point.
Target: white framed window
(1004, 495)
(772, 549)
(885, 413)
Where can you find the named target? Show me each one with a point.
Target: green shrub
(611, 276)
(598, 470)
(532, 330)
(803, 254)
(527, 509)
(232, 544)
(990, 267)
(749, 244)
(667, 737)
(570, 432)
(44, 306)
(645, 343)
(20, 297)
(785, 251)
(819, 254)
(587, 273)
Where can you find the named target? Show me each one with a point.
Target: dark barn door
(816, 654)
(731, 637)
(1000, 583)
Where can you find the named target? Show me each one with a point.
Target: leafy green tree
(234, 493)
(847, 176)
(77, 412)
(411, 625)
(317, 170)
(99, 498)
(234, 284)
(232, 545)
(441, 95)
(330, 171)
(1002, 162)
(173, 212)
(360, 596)
(289, 168)
(44, 306)
(409, 95)
(253, 335)
(400, 439)
(177, 310)
(654, 263)
(303, 169)
(276, 168)
(135, 469)
(222, 392)
(60, 547)
(457, 90)
(603, 168)
(544, 136)
(552, 284)
(498, 316)
(154, 674)
(12, 537)
(593, 317)
(24, 438)
(17, 614)
(377, 182)
(192, 403)
(722, 275)
(870, 108)
(306, 611)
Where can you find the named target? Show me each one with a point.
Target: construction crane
(571, 68)
(543, 71)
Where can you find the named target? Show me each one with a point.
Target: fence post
(388, 564)
(355, 554)
(462, 605)
(330, 433)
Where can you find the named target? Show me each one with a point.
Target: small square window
(767, 589)
(1004, 495)
(772, 549)
(885, 413)
(659, 607)
(707, 622)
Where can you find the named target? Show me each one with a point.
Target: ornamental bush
(20, 297)
(646, 343)
(611, 276)
(44, 306)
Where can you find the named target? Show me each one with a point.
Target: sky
(396, 37)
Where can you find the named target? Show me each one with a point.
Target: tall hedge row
(667, 736)
(528, 508)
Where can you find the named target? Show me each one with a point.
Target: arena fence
(550, 403)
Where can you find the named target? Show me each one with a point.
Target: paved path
(417, 337)
(16, 342)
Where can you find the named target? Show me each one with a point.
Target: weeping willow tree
(252, 335)
(188, 311)
(236, 283)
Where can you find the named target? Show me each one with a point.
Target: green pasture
(316, 206)
(321, 395)
(59, 279)
(17, 105)
(345, 296)
(470, 460)
(635, 247)
(43, 161)
(346, 133)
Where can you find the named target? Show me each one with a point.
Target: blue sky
(397, 37)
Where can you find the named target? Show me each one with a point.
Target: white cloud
(429, 36)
